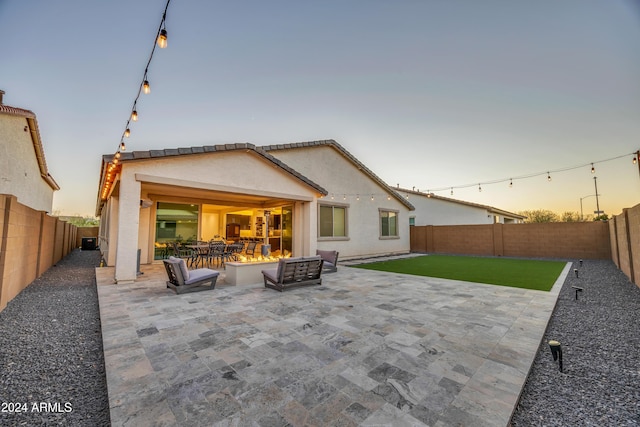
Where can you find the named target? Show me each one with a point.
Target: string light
(161, 41)
(593, 170)
(636, 158)
(452, 191)
(372, 197)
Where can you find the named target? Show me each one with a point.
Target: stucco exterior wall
(19, 170)
(431, 211)
(345, 183)
(225, 170)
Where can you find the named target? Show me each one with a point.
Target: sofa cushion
(183, 267)
(201, 274)
(271, 274)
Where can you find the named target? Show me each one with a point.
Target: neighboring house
(431, 209)
(23, 169)
(295, 197)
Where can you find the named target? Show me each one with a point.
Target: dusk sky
(427, 94)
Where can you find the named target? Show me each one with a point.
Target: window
(388, 223)
(412, 220)
(333, 221)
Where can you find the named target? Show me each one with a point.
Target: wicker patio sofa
(181, 280)
(293, 272)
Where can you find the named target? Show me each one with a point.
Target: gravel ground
(600, 338)
(51, 352)
(51, 359)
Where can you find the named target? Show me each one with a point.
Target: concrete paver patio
(365, 348)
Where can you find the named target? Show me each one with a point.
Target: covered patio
(364, 348)
(191, 195)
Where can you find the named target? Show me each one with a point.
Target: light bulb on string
(127, 133)
(162, 39)
(479, 188)
(122, 146)
(593, 170)
(510, 182)
(388, 197)
(452, 191)
(146, 88)
(635, 160)
(548, 177)
(117, 157)
(358, 197)
(344, 197)
(372, 197)
(134, 115)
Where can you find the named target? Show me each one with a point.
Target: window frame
(382, 211)
(333, 205)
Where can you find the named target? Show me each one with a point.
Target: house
(431, 209)
(23, 169)
(296, 198)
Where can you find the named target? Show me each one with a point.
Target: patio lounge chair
(181, 280)
(330, 259)
(293, 272)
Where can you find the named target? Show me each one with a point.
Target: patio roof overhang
(160, 188)
(112, 167)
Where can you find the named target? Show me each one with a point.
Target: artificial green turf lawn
(517, 273)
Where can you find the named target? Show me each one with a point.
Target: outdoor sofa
(330, 259)
(181, 280)
(293, 272)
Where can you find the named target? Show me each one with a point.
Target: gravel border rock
(51, 359)
(600, 338)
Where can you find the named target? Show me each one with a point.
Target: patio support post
(128, 227)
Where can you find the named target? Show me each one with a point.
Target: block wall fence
(30, 243)
(572, 240)
(617, 239)
(625, 242)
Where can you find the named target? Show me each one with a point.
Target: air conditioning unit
(146, 203)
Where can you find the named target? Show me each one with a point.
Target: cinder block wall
(30, 243)
(625, 242)
(587, 240)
